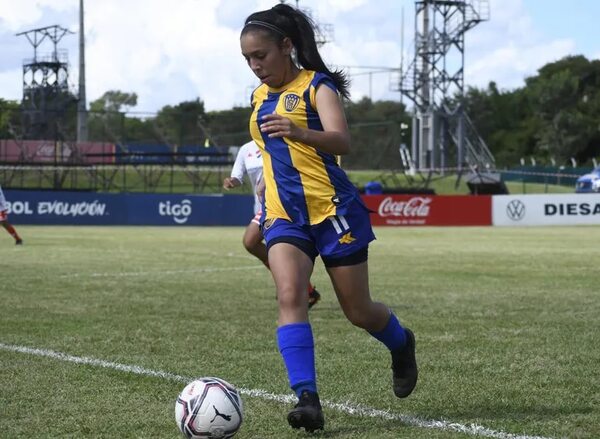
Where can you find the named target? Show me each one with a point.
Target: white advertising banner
(546, 210)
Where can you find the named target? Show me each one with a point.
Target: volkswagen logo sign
(515, 210)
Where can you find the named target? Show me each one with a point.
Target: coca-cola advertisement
(429, 210)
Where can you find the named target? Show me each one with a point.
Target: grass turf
(506, 319)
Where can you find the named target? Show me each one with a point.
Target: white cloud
(509, 65)
(347, 5)
(164, 58)
(11, 81)
(509, 47)
(171, 51)
(14, 15)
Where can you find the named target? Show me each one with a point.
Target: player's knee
(360, 317)
(249, 243)
(289, 298)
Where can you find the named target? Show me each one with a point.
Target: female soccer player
(248, 161)
(4, 219)
(310, 206)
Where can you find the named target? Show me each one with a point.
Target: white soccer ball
(209, 408)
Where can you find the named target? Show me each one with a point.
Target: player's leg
(351, 285)
(343, 243)
(291, 268)
(253, 242)
(313, 295)
(9, 228)
(291, 260)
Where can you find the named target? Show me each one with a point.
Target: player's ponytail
(284, 21)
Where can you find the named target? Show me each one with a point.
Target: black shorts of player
(358, 257)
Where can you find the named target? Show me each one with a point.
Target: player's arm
(335, 137)
(231, 182)
(237, 172)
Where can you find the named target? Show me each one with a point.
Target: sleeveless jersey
(303, 184)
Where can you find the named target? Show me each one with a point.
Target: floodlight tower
(82, 130)
(434, 81)
(46, 92)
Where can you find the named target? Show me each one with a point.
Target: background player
(4, 219)
(249, 162)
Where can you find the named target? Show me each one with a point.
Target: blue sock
(297, 348)
(393, 335)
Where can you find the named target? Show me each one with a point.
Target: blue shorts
(340, 240)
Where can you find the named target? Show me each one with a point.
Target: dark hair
(284, 21)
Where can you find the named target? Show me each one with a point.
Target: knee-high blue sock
(297, 348)
(393, 335)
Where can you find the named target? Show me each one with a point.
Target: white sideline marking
(348, 408)
(146, 273)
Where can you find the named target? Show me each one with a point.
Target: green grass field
(507, 322)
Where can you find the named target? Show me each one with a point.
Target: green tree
(107, 120)
(9, 115)
(504, 119)
(229, 127)
(180, 124)
(565, 96)
(113, 101)
(377, 133)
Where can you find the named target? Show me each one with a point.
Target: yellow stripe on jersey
(272, 200)
(318, 189)
(302, 184)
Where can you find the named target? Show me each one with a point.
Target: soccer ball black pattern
(209, 408)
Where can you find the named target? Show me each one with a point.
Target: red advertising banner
(429, 210)
(50, 151)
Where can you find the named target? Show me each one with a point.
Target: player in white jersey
(4, 219)
(249, 162)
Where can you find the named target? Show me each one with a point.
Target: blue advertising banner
(92, 208)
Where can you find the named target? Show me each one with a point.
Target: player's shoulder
(251, 145)
(260, 93)
(320, 78)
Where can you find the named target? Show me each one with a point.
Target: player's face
(269, 60)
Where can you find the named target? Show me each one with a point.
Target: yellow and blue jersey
(303, 184)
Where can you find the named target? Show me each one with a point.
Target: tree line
(554, 117)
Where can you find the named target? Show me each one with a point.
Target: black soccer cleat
(19, 242)
(313, 297)
(404, 367)
(308, 413)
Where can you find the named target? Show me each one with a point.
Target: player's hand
(278, 126)
(229, 183)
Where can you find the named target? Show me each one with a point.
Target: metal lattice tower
(434, 81)
(46, 92)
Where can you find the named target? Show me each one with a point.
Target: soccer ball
(209, 408)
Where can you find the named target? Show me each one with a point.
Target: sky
(170, 51)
